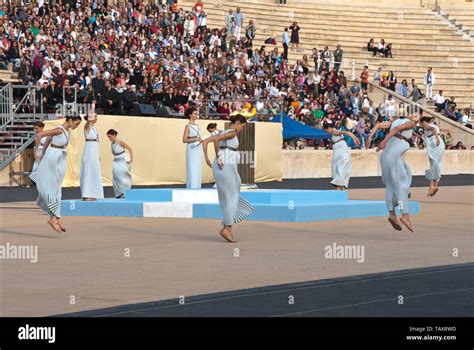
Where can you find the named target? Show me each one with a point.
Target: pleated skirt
(91, 177)
(121, 174)
(193, 166)
(49, 178)
(435, 154)
(341, 164)
(234, 207)
(396, 174)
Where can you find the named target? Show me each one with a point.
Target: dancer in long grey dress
(396, 174)
(121, 168)
(234, 207)
(435, 148)
(192, 139)
(52, 169)
(341, 156)
(91, 177)
(40, 150)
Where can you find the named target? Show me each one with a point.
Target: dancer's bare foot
(436, 188)
(405, 220)
(227, 234)
(54, 225)
(61, 225)
(393, 220)
(431, 191)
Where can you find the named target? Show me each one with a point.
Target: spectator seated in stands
(3, 60)
(465, 117)
(381, 49)
(372, 47)
(440, 101)
(388, 51)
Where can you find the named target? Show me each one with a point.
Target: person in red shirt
(174, 6)
(364, 78)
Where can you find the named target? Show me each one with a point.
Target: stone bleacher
(8, 76)
(420, 39)
(463, 16)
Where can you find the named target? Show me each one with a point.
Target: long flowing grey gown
(121, 170)
(341, 162)
(91, 177)
(40, 150)
(396, 174)
(50, 174)
(234, 207)
(193, 160)
(435, 154)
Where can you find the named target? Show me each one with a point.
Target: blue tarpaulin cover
(295, 129)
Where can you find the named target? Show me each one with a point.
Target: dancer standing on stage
(396, 174)
(121, 167)
(435, 148)
(91, 178)
(51, 171)
(234, 208)
(341, 156)
(39, 150)
(192, 139)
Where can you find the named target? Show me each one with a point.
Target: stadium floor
(170, 258)
(441, 291)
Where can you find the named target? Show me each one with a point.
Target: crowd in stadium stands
(119, 55)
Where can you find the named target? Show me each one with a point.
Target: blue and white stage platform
(270, 205)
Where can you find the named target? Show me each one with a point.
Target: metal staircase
(19, 111)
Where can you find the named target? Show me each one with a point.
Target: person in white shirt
(390, 106)
(230, 21)
(48, 70)
(274, 90)
(202, 22)
(283, 93)
(366, 102)
(43, 80)
(440, 100)
(215, 40)
(189, 26)
(429, 82)
(239, 20)
(285, 41)
(465, 117)
(378, 74)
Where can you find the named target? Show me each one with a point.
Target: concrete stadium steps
(420, 38)
(464, 17)
(320, 7)
(358, 37)
(358, 16)
(8, 76)
(384, 29)
(270, 205)
(325, 31)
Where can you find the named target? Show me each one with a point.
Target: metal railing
(462, 132)
(69, 107)
(6, 105)
(28, 102)
(344, 64)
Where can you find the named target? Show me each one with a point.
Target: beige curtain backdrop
(160, 154)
